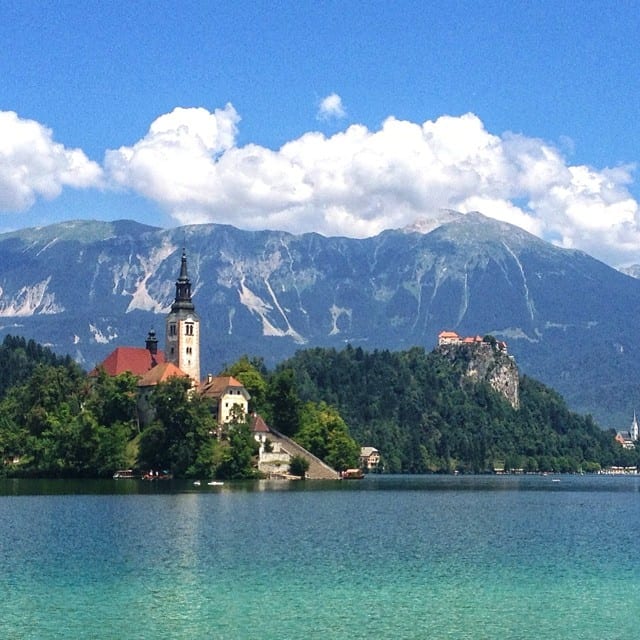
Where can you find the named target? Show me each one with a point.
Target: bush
(298, 466)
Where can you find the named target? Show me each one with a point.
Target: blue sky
(343, 118)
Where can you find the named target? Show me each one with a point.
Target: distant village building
(629, 438)
(369, 458)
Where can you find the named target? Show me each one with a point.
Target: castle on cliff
(451, 337)
(484, 360)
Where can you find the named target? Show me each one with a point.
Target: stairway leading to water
(318, 470)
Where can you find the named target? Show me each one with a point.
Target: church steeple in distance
(183, 287)
(183, 328)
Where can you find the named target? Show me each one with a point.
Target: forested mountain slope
(424, 414)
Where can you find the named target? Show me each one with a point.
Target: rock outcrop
(486, 361)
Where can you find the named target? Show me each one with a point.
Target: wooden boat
(124, 473)
(352, 474)
(157, 475)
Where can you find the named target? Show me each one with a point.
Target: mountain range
(85, 287)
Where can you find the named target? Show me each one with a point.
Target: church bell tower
(183, 328)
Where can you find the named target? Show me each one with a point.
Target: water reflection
(23, 486)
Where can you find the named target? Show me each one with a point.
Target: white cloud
(32, 165)
(175, 163)
(359, 182)
(331, 107)
(356, 182)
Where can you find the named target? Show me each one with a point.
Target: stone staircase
(318, 470)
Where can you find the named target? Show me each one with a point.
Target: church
(181, 357)
(227, 395)
(628, 439)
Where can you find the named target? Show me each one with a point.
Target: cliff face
(486, 362)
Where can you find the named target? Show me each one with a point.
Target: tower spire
(183, 327)
(183, 287)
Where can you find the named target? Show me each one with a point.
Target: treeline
(417, 409)
(414, 407)
(55, 421)
(20, 357)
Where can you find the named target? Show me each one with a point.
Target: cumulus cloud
(358, 182)
(331, 107)
(32, 165)
(176, 163)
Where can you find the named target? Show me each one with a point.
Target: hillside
(424, 413)
(85, 287)
(435, 412)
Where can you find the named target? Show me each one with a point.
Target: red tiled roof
(448, 334)
(136, 360)
(258, 425)
(161, 373)
(217, 386)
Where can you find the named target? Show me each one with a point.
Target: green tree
(112, 399)
(238, 453)
(251, 374)
(284, 403)
(180, 437)
(325, 434)
(298, 466)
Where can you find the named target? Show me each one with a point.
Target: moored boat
(124, 473)
(158, 475)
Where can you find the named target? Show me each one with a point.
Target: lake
(506, 557)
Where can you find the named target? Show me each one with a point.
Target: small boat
(157, 475)
(124, 473)
(352, 474)
(196, 483)
(215, 483)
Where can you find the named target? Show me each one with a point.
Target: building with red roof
(135, 360)
(451, 337)
(448, 337)
(227, 395)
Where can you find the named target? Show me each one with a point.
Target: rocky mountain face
(486, 362)
(571, 321)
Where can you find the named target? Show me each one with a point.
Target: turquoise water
(426, 557)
